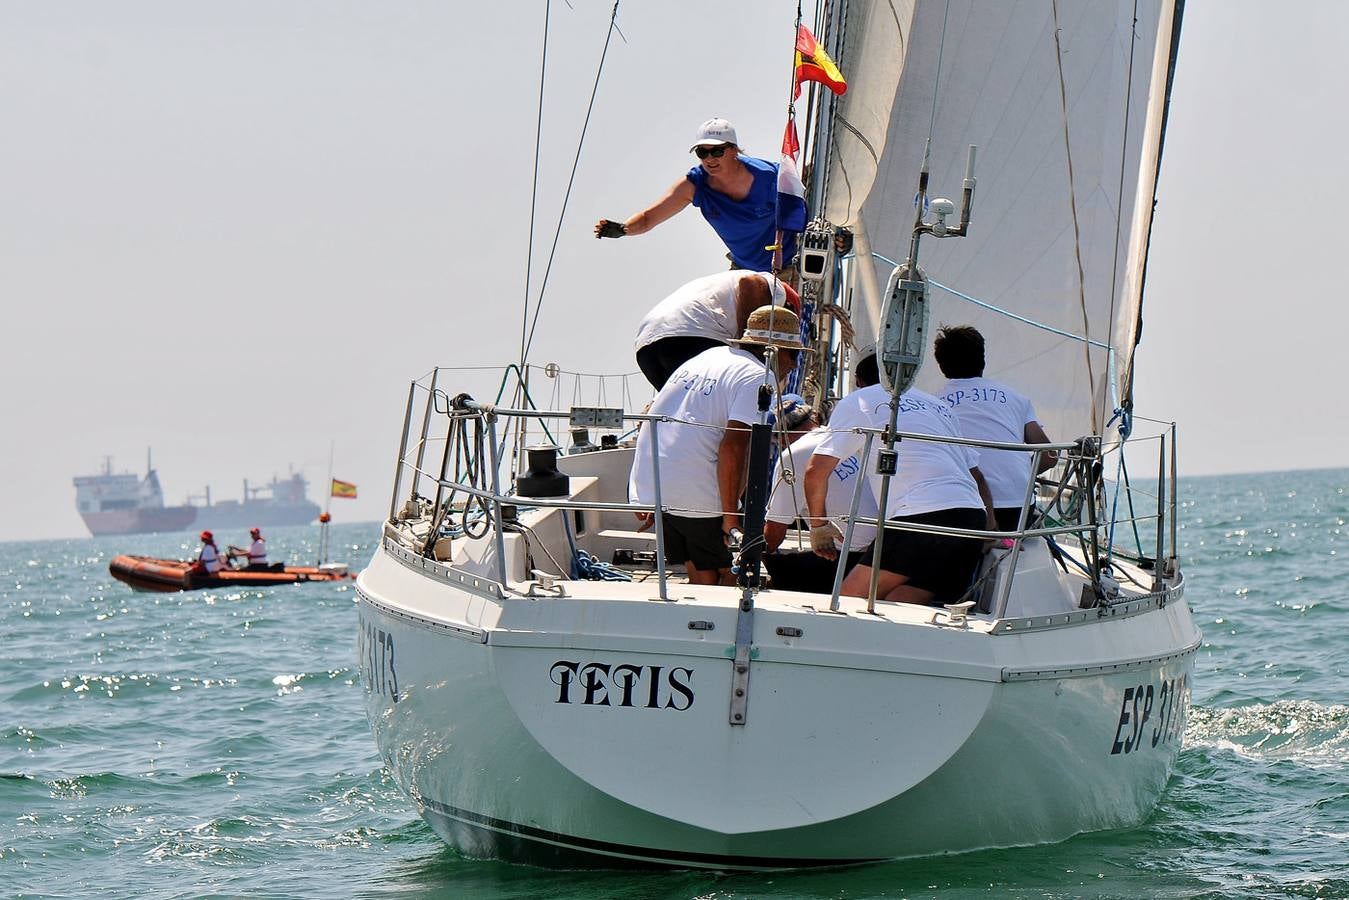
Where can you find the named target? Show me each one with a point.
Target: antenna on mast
(903, 337)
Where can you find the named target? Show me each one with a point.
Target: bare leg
(704, 576)
(907, 593)
(857, 583)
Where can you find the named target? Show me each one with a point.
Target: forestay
(1067, 171)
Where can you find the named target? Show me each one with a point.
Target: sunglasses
(714, 152)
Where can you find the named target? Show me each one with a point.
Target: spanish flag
(344, 489)
(813, 64)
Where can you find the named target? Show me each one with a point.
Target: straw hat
(775, 325)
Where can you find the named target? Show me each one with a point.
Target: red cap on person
(255, 531)
(207, 536)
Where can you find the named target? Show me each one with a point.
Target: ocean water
(215, 743)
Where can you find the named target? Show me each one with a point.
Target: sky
(233, 232)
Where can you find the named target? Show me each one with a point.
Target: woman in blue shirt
(738, 198)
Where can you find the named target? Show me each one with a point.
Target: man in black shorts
(703, 442)
(921, 567)
(936, 483)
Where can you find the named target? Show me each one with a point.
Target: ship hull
(139, 521)
(507, 722)
(262, 515)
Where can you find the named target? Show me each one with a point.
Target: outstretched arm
(676, 198)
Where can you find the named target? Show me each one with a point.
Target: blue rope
(1064, 556)
(571, 543)
(1126, 427)
(797, 374)
(586, 566)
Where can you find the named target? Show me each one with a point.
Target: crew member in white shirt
(256, 552)
(712, 400)
(799, 568)
(208, 559)
(704, 313)
(990, 410)
(935, 484)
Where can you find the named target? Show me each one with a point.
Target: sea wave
(1301, 730)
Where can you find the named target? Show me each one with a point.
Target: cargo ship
(124, 503)
(283, 501)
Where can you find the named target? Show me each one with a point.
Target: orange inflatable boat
(146, 573)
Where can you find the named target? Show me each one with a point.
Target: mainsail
(1066, 102)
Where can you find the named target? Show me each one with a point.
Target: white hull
(593, 729)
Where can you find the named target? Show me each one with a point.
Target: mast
(822, 243)
(325, 519)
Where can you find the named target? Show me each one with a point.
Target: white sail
(878, 34)
(1065, 102)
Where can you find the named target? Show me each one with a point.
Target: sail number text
(374, 647)
(1151, 715)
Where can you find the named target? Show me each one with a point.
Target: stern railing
(1074, 499)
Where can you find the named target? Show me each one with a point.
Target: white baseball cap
(862, 354)
(713, 133)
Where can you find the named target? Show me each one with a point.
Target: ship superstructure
(125, 503)
(282, 501)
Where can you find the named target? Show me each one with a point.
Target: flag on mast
(791, 192)
(791, 144)
(344, 489)
(814, 64)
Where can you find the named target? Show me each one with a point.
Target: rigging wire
(521, 389)
(807, 141)
(576, 161)
(1119, 192)
(998, 309)
(527, 325)
(534, 189)
(1016, 316)
(1072, 203)
(936, 84)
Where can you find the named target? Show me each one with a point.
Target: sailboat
(546, 689)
